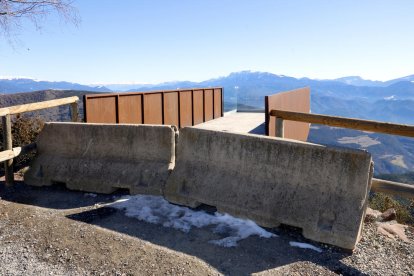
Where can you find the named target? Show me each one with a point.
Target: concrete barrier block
(322, 190)
(104, 157)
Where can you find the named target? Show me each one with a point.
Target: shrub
(24, 131)
(403, 207)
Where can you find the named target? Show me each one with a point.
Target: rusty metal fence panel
(171, 108)
(182, 108)
(131, 105)
(153, 110)
(198, 107)
(294, 100)
(186, 108)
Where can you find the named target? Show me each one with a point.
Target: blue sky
(134, 41)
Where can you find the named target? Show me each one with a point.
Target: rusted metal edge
(101, 95)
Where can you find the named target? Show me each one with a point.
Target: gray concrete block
(104, 157)
(322, 190)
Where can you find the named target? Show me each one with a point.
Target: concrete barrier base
(272, 181)
(102, 158)
(322, 190)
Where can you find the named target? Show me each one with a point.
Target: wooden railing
(9, 152)
(365, 125)
(378, 185)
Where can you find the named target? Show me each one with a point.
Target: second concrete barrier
(104, 157)
(322, 190)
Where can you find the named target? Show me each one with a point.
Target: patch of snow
(363, 140)
(156, 210)
(90, 195)
(398, 160)
(305, 246)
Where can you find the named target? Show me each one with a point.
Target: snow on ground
(305, 246)
(156, 210)
(364, 141)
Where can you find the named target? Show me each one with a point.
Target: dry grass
(403, 207)
(24, 131)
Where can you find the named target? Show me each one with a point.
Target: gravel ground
(54, 231)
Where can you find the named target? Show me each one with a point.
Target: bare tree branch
(13, 12)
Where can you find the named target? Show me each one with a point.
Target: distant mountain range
(391, 101)
(17, 85)
(358, 81)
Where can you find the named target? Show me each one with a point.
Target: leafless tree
(13, 12)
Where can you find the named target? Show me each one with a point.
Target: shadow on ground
(54, 197)
(252, 255)
(261, 130)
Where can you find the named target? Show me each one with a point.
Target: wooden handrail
(6, 155)
(36, 106)
(391, 187)
(365, 125)
(9, 153)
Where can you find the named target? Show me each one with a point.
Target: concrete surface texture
(240, 122)
(322, 190)
(104, 157)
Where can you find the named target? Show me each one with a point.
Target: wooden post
(74, 111)
(280, 132)
(8, 145)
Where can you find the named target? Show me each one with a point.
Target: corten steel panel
(101, 110)
(208, 105)
(294, 100)
(171, 108)
(186, 109)
(198, 106)
(130, 109)
(153, 108)
(217, 103)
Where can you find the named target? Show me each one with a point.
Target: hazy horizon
(183, 80)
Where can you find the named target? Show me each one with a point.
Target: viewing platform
(240, 122)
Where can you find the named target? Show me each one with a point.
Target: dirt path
(54, 231)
